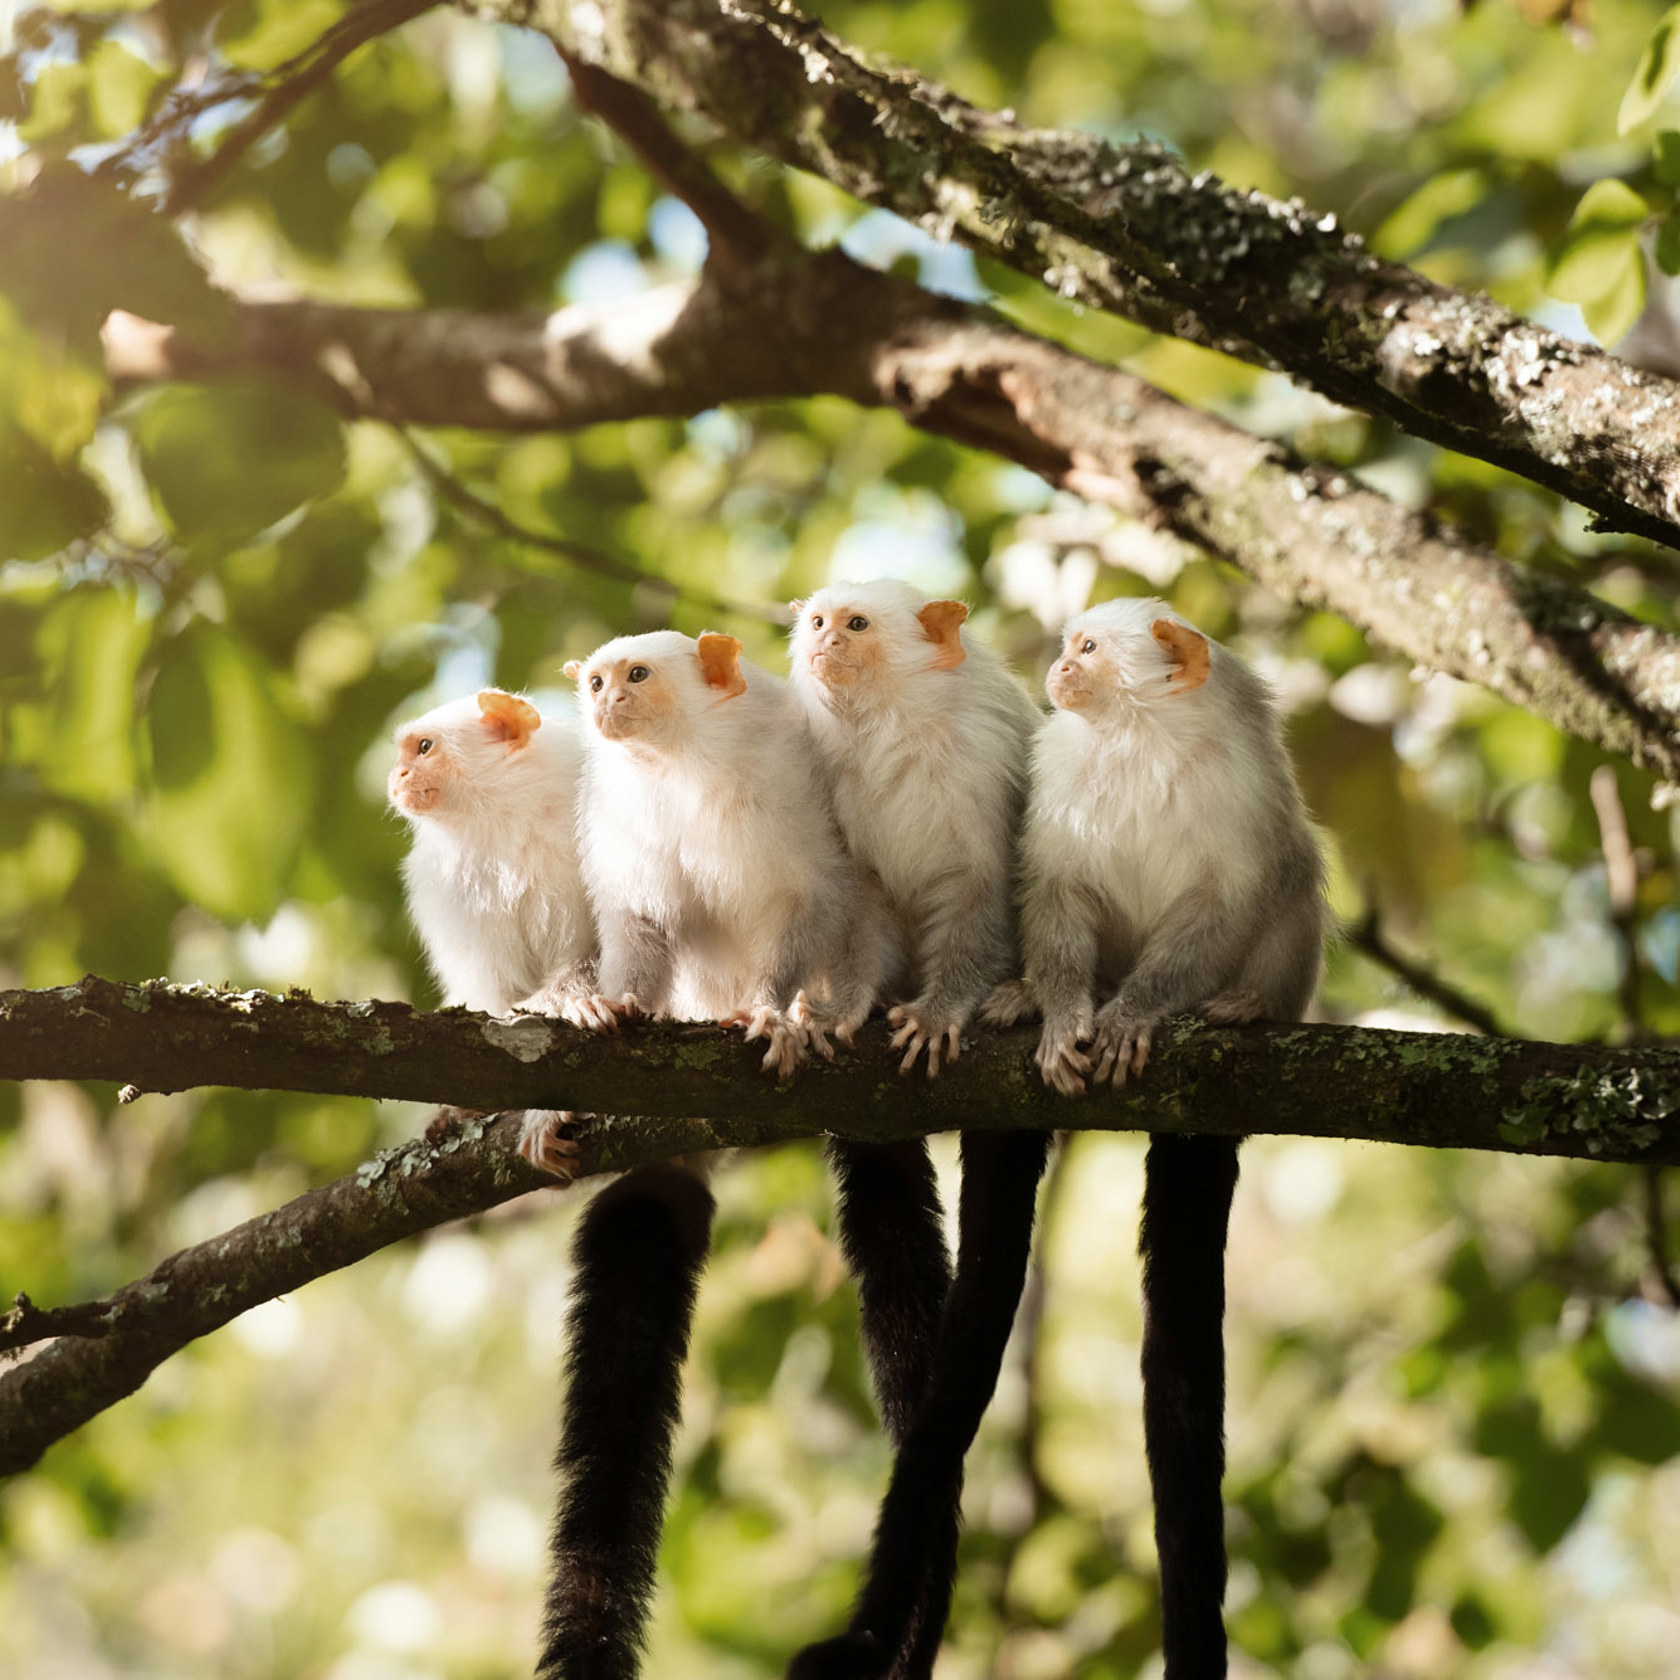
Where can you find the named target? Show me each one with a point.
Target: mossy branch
(1430, 1089)
(1134, 230)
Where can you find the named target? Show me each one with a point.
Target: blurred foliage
(1455, 1415)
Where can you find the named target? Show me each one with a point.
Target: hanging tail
(900, 1614)
(1187, 1190)
(637, 1261)
(892, 1233)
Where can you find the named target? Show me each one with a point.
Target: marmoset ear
(508, 717)
(1188, 651)
(573, 668)
(941, 623)
(720, 664)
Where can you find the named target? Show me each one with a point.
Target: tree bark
(695, 1087)
(1429, 1089)
(1133, 230)
(796, 325)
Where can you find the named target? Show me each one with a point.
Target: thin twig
(1621, 879)
(1367, 937)
(1656, 1237)
(288, 85)
(1621, 875)
(26, 1322)
(598, 560)
(734, 231)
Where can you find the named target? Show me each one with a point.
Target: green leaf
(231, 779)
(1612, 312)
(1665, 152)
(1600, 265)
(1667, 248)
(1408, 229)
(44, 504)
(227, 462)
(132, 260)
(119, 88)
(91, 643)
(1655, 70)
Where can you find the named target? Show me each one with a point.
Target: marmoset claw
(915, 1034)
(546, 1141)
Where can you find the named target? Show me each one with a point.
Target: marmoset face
(840, 642)
(420, 778)
(444, 753)
(651, 689)
(855, 639)
(1127, 651)
(628, 697)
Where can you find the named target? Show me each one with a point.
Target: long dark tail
(637, 1261)
(900, 1613)
(1187, 1188)
(892, 1235)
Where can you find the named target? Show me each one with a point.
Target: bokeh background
(1455, 1380)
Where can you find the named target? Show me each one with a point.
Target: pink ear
(1188, 651)
(573, 669)
(720, 664)
(508, 717)
(942, 623)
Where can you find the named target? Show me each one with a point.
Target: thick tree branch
(825, 324)
(1429, 1089)
(1132, 230)
(58, 1385)
(1440, 1090)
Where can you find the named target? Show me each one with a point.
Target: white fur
(715, 829)
(1167, 861)
(928, 771)
(1138, 798)
(493, 879)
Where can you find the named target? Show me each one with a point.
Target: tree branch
(1368, 937)
(59, 1385)
(796, 326)
(1130, 229)
(283, 89)
(1438, 1090)
(1429, 1089)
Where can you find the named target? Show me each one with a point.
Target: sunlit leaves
(73, 248)
(1658, 65)
(231, 786)
(91, 643)
(226, 462)
(1411, 227)
(1600, 264)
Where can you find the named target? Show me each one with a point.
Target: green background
(1454, 1418)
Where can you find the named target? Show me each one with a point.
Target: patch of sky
(908, 534)
(602, 273)
(1659, 939)
(533, 78)
(718, 434)
(880, 239)
(678, 235)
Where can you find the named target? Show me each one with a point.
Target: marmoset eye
(816, 621)
(425, 746)
(594, 685)
(1089, 647)
(639, 673)
(857, 623)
